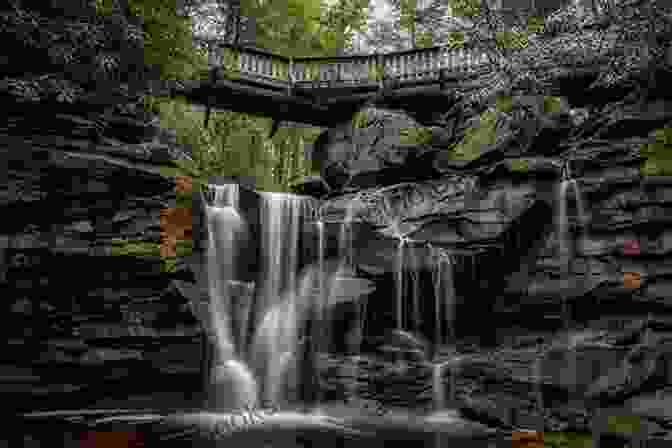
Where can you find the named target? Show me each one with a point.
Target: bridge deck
(325, 91)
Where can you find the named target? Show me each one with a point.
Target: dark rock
(313, 186)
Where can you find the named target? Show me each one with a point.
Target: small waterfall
(400, 284)
(414, 286)
(322, 285)
(452, 365)
(562, 223)
(444, 294)
(438, 387)
(538, 382)
(277, 333)
(346, 269)
(566, 255)
(232, 385)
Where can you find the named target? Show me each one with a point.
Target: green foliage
(313, 71)
(567, 440)
(519, 165)
(553, 105)
(339, 22)
(465, 8)
(658, 154)
(231, 60)
(476, 138)
(134, 248)
(360, 119)
(455, 39)
(513, 40)
(424, 39)
(504, 103)
(415, 135)
(149, 250)
(167, 42)
(624, 424)
(408, 10)
(536, 25)
(376, 72)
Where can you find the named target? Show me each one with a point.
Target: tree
(236, 144)
(340, 22)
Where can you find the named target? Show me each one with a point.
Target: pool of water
(343, 426)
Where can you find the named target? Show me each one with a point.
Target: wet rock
(313, 186)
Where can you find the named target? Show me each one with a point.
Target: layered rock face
(487, 186)
(89, 313)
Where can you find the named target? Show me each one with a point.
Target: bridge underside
(321, 104)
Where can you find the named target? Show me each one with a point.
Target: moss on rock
(658, 154)
(134, 248)
(519, 165)
(477, 138)
(567, 440)
(415, 135)
(150, 250)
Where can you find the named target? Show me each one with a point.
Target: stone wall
(497, 207)
(90, 312)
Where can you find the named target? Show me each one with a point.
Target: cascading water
(232, 385)
(438, 387)
(414, 286)
(565, 252)
(562, 223)
(538, 382)
(345, 269)
(444, 294)
(277, 327)
(281, 307)
(400, 284)
(444, 299)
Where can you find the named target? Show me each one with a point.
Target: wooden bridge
(328, 91)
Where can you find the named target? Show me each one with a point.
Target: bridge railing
(410, 65)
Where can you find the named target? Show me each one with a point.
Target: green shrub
(535, 25)
(504, 103)
(455, 39)
(567, 440)
(658, 154)
(146, 249)
(520, 165)
(131, 248)
(624, 424)
(360, 119)
(552, 104)
(512, 39)
(415, 136)
(475, 139)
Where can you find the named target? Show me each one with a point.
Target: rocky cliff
(90, 310)
(489, 184)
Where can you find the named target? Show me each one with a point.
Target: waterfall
(562, 221)
(400, 284)
(438, 387)
(232, 385)
(277, 326)
(414, 286)
(322, 283)
(444, 294)
(538, 382)
(282, 304)
(346, 269)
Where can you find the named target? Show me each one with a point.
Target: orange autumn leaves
(176, 222)
(524, 439)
